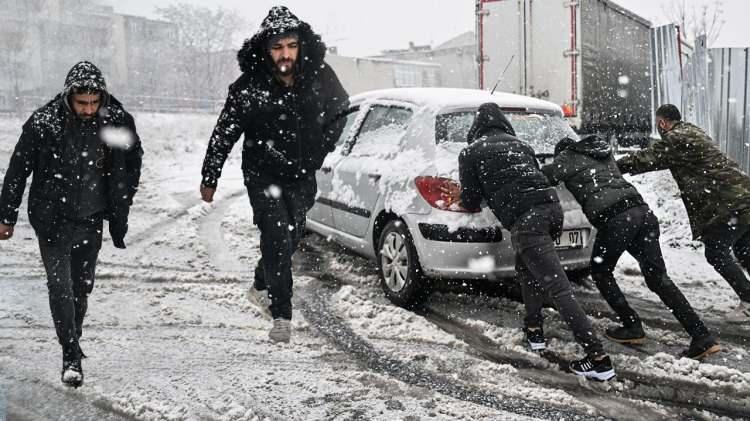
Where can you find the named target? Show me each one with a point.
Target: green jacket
(714, 190)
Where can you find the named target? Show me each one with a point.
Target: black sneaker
(590, 368)
(629, 335)
(72, 373)
(535, 339)
(701, 348)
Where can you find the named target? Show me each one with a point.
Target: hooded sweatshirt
(288, 130)
(500, 168)
(46, 149)
(589, 172)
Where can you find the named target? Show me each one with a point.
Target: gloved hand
(117, 231)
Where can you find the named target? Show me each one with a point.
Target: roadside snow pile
(508, 338)
(232, 410)
(488, 376)
(144, 406)
(661, 193)
(386, 321)
(685, 369)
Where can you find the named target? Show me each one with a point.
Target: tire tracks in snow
(676, 394)
(151, 230)
(315, 308)
(681, 396)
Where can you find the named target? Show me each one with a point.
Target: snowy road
(170, 335)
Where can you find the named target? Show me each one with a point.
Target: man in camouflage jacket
(716, 194)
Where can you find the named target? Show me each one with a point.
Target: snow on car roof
(456, 98)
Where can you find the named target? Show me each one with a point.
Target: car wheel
(401, 275)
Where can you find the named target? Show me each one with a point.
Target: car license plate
(571, 239)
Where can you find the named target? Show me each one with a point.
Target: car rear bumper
(481, 253)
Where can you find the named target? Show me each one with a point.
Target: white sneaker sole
(602, 377)
(537, 346)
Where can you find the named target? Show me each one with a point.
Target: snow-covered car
(380, 190)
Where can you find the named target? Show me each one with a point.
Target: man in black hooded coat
(624, 222)
(501, 169)
(287, 103)
(85, 154)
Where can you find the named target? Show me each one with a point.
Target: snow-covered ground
(170, 335)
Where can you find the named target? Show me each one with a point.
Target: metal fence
(711, 85)
(665, 67)
(728, 73)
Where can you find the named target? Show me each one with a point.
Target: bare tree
(697, 18)
(206, 38)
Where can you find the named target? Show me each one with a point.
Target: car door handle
(374, 177)
(325, 170)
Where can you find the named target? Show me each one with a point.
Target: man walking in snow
(85, 154)
(287, 103)
(716, 194)
(624, 222)
(501, 169)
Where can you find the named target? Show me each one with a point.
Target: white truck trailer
(591, 57)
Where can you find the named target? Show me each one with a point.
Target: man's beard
(285, 67)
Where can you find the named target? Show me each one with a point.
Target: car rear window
(541, 131)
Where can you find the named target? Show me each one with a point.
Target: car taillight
(431, 189)
(568, 110)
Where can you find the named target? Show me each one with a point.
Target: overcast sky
(362, 27)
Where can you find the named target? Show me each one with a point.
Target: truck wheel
(401, 276)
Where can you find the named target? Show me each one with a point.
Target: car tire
(401, 275)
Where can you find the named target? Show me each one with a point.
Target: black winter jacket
(288, 131)
(43, 150)
(500, 168)
(590, 173)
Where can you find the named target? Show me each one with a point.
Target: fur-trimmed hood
(254, 56)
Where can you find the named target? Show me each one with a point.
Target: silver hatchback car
(380, 190)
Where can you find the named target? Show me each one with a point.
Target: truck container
(592, 57)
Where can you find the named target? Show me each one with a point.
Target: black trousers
(636, 231)
(279, 213)
(540, 273)
(720, 241)
(70, 264)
